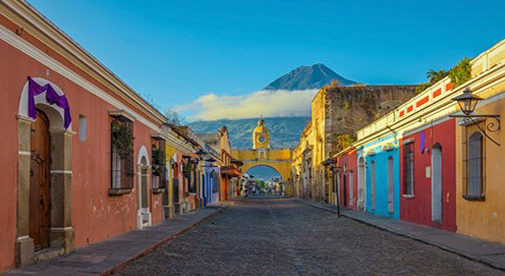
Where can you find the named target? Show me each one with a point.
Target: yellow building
(480, 204)
(262, 155)
(261, 136)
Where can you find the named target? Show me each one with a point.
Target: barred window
(408, 169)
(159, 170)
(474, 165)
(122, 166)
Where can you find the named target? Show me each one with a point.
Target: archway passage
(40, 194)
(265, 180)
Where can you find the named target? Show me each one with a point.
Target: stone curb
(495, 265)
(153, 247)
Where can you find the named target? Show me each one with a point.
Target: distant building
(338, 111)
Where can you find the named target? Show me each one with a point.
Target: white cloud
(269, 103)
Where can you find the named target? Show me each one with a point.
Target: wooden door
(40, 193)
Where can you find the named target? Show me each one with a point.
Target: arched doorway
(436, 183)
(44, 173)
(361, 183)
(144, 214)
(40, 182)
(265, 181)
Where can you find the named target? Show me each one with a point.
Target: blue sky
(176, 52)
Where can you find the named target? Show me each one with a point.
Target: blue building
(380, 161)
(212, 172)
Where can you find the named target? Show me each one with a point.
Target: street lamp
(467, 103)
(332, 164)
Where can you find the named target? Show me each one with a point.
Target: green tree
(460, 73)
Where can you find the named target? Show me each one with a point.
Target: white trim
(23, 237)
(427, 125)
(123, 113)
(143, 153)
(24, 118)
(61, 172)
(408, 141)
(35, 53)
(61, 228)
(48, 29)
(24, 152)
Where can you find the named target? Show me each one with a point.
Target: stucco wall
(418, 208)
(95, 214)
(484, 219)
(383, 149)
(11, 84)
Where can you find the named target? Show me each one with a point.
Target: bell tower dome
(261, 136)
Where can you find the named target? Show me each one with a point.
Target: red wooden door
(40, 209)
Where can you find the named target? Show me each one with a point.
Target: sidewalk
(486, 252)
(108, 256)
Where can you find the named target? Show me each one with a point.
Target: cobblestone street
(286, 237)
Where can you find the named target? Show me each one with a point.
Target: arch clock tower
(261, 136)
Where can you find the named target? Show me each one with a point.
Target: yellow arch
(282, 167)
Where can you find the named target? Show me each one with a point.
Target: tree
(435, 76)
(174, 118)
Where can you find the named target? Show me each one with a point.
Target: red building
(347, 178)
(428, 175)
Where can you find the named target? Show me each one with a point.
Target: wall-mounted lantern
(467, 103)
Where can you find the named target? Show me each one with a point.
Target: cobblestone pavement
(286, 237)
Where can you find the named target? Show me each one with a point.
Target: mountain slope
(284, 131)
(307, 77)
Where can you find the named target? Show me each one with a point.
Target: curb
(153, 247)
(393, 231)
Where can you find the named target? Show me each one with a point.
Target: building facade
(72, 173)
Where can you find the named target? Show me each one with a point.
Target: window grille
(159, 170)
(474, 164)
(122, 168)
(408, 169)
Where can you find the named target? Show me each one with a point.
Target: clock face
(261, 139)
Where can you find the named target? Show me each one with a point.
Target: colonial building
(77, 144)
(338, 111)
(262, 155)
(84, 157)
(429, 162)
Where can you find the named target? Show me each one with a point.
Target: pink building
(76, 144)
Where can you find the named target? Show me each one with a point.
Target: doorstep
(109, 256)
(483, 251)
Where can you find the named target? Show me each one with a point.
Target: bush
(460, 73)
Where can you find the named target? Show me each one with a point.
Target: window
(158, 163)
(408, 169)
(372, 184)
(215, 182)
(121, 153)
(82, 128)
(474, 166)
